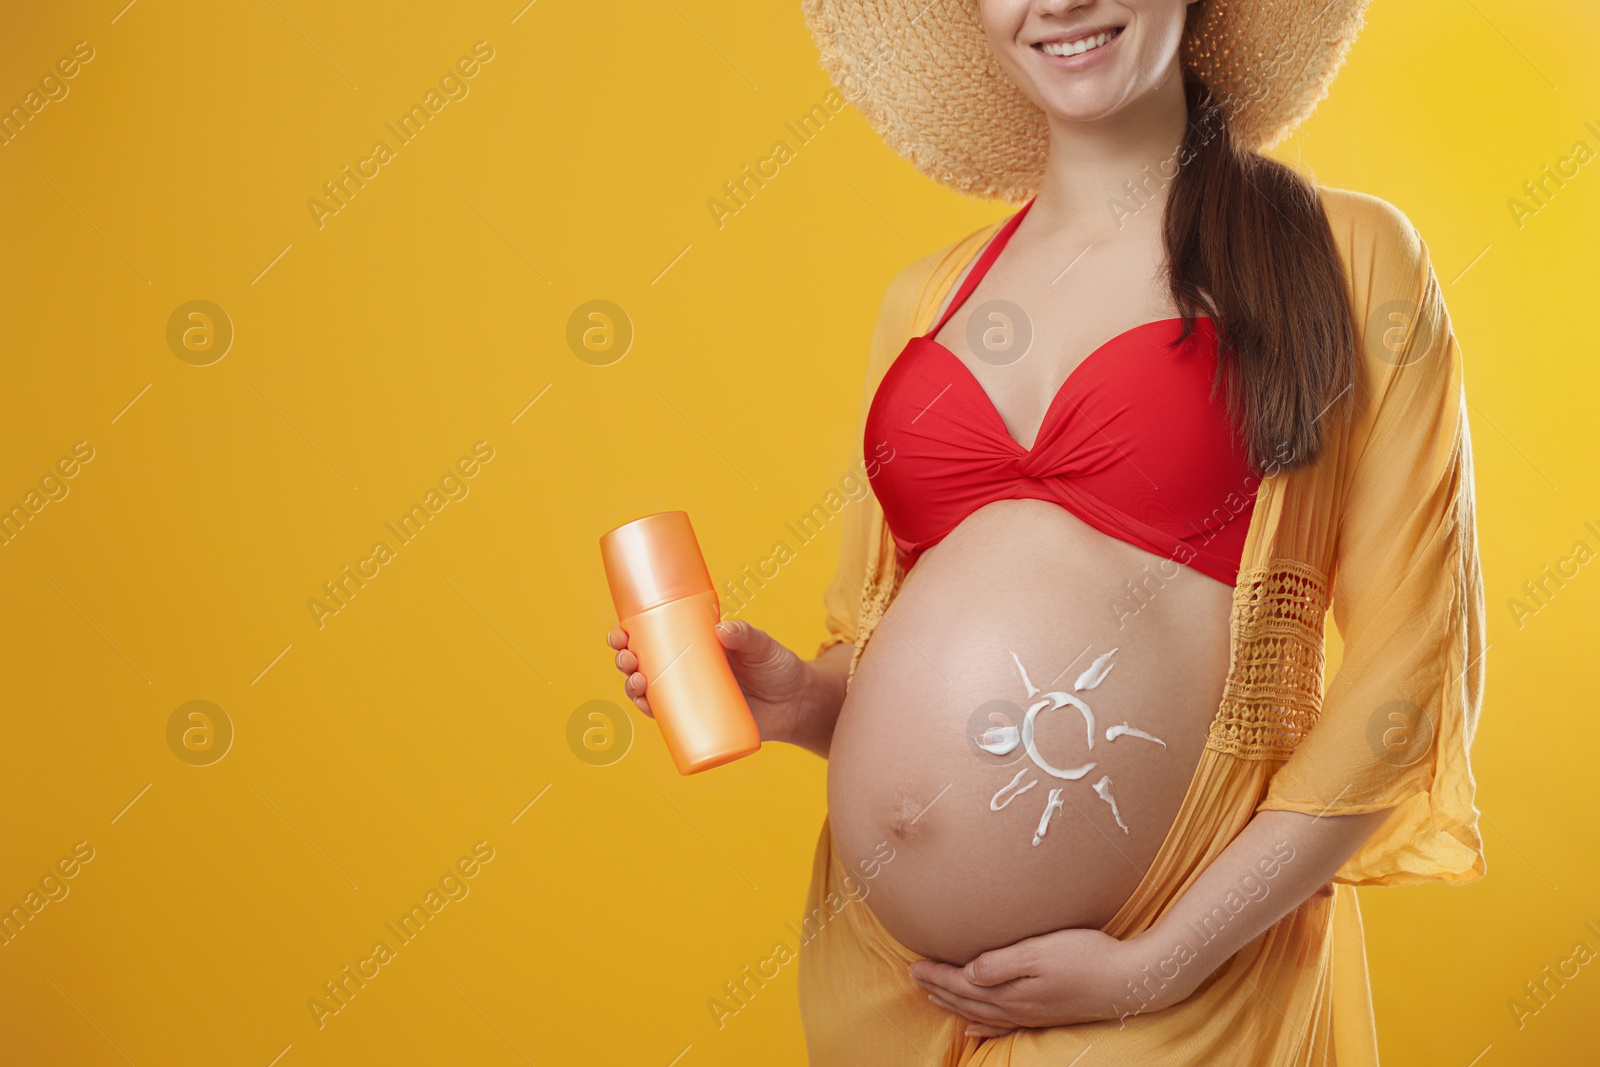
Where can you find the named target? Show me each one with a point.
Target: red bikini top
(1133, 443)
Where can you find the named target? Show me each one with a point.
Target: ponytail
(1248, 244)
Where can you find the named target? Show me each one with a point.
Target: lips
(1077, 46)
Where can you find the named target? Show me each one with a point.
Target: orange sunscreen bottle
(667, 606)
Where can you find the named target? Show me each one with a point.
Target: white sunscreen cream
(1010, 791)
(1102, 788)
(1051, 806)
(1096, 673)
(1052, 702)
(1114, 732)
(1000, 739)
(1026, 681)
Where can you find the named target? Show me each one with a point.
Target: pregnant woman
(1090, 797)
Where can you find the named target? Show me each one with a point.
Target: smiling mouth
(1079, 46)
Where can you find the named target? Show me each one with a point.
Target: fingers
(1000, 966)
(975, 1010)
(952, 981)
(628, 664)
(634, 687)
(753, 647)
(740, 637)
(985, 1031)
(923, 971)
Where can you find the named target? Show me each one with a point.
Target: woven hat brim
(922, 74)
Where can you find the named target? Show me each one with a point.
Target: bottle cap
(652, 560)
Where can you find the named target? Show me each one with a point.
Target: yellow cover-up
(1382, 530)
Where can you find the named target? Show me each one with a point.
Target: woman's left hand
(1070, 976)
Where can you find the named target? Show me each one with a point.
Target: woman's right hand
(779, 686)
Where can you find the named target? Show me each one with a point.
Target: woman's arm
(794, 700)
(1071, 976)
(814, 731)
(1280, 860)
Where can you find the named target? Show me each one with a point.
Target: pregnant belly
(1022, 729)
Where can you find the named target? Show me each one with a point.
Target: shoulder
(1365, 214)
(1409, 355)
(1384, 255)
(917, 291)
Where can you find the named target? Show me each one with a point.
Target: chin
(1085, 95)
(1082, 103)
(1086, 99)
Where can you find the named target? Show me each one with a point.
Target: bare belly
(936, 726)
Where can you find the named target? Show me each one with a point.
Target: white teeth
(1078, 47)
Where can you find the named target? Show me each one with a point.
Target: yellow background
(372, 352)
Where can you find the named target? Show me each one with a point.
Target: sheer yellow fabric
(1381, 532)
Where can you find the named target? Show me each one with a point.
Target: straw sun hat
(922, 74)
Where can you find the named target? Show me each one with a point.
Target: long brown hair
(1248, 244)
